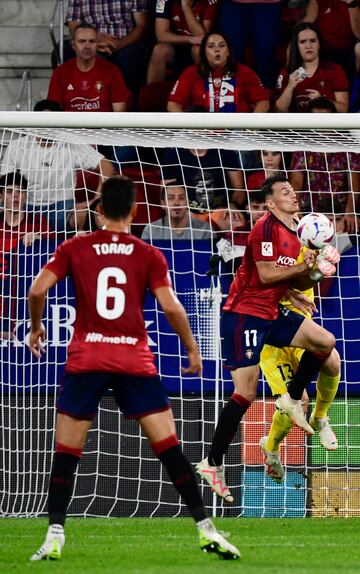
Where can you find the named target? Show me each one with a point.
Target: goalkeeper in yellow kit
(279, 367)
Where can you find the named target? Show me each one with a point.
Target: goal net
(197, 201)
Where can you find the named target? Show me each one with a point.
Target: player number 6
(104, 293)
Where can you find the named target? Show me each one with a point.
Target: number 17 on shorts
(243, 337)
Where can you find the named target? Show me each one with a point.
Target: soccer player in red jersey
(252, 316)
(111, 271)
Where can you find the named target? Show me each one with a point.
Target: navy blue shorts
(243, 336)
(136, 397)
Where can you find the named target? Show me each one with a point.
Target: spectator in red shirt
(308, 76)
(88, 83)
(122, 32)
(179, 27)
(218, 83)
(272, 162)
(16, 226)
(339, 25)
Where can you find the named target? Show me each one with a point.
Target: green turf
(159, 546)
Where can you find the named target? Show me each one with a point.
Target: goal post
(181, 121)
(118, 475)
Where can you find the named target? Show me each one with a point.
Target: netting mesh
(245, 139)
(118, 475)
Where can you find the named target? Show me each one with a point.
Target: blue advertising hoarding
(189, 263)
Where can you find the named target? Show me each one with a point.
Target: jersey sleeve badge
(160, 6)
(266, 248)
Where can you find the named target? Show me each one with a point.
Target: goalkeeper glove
(331, 254)
(325, 263)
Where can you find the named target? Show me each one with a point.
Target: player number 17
(248, 333)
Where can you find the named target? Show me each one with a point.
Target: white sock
(207, 525)
(56, 529)
(293, 400)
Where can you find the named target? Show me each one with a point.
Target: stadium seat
(154, 97)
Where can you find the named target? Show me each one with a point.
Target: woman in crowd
(272, 162)
(308, 76)
(219, 83)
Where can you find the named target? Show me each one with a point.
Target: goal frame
(216, 125)
(166, 120)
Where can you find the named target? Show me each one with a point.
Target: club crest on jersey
(249, 353)
(99, 86)
(266, 248)
(114, 238)
(217, 82)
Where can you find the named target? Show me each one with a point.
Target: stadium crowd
(226, 55)
(231, 53)
(210, 56)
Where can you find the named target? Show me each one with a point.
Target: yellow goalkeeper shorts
(279, 366)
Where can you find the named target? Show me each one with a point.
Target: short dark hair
(50, 105)
(267, 186)
(118, 195)
(83, 26)
(322, 103)
(13, 179)
(176, 182)
(256, 196)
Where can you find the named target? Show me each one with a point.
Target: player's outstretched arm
(178, 321)
(270, 273)
(37, 295)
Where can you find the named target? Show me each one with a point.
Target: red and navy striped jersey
(111, 272)
(269, 240)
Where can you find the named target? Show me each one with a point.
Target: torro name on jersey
(113, 248)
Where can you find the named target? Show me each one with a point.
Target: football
(315, 230)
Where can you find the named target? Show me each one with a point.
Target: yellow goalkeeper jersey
(309, 292)
(280, 365)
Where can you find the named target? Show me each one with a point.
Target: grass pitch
(169, 546)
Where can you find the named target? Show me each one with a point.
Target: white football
(315, 230)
